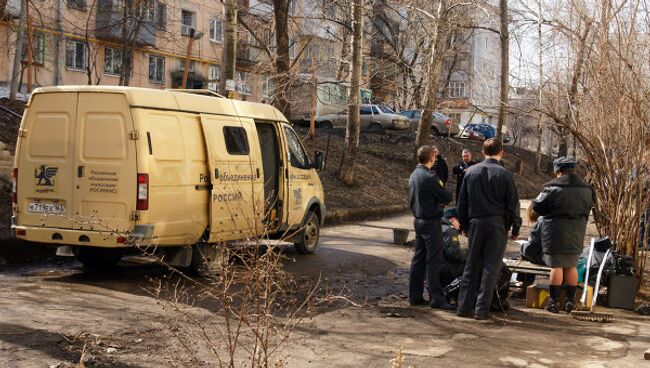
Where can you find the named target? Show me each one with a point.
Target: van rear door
(105, 167)
(46, 161)
(77, 165)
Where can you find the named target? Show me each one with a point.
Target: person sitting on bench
(531, 250)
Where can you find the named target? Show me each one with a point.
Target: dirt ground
(53, 311)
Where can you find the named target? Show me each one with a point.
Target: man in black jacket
(440, 168)
(427, 200)
(460, 169)
(488, 206)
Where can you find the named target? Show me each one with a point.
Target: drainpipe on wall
(57, 44)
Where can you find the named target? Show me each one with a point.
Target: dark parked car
(482, 131)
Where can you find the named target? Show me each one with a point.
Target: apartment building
(81, 42)
(471, 74)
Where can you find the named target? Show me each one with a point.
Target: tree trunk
(352, 132)
(434, 67)
(229, 43)
(282, 81)
(505, 68)
(540, 128)
(15, 71)
(314, 97)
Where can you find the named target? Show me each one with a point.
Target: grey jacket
(565, 204)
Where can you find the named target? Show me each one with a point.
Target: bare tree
(505, 67)
(352, 132)
(282, 61)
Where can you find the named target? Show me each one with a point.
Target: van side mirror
(319, 160)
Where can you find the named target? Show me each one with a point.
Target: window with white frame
(292, 7)
(216, 30)
(456, 89)
(112, 61)
(156, 69)
(214, 77)
(268, 87)
(243, 85)
(76, 55)
(188, 22)
(38, 48)
(181, 65)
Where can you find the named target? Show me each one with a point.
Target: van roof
(180, 101)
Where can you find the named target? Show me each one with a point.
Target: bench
(521, 266)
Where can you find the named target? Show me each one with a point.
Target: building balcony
(110, 24)
(246, 55)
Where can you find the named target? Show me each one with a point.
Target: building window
(181, 65)
(149, 10)
(216, 30)
(112, 61)
(156, 69)
(214, 77)
(161, 16)
(77, 4)
(456, 89)
(268, 87)
(38, 48)
(76, 55)
(243, 87)
(292, 48)
(188, 22)
(292, 7)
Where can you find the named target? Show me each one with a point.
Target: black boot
(570, 297)
(553, 306)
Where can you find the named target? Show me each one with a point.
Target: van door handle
(216, 174)
(80, 171)
(258, 172)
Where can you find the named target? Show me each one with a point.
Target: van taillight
(14, 186)
(448, 122)
(143, 192)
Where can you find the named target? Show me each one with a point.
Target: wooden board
(516, 265)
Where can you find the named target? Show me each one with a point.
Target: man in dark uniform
(488, 206)
(427, 199)
(460, 169)
(440, 168)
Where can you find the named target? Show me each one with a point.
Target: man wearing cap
(488, 206)
(565, 202)
(427, 200)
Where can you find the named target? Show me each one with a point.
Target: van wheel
(207, 259)
(309, 236)
(435, 132)
(98, 258)
(376, 128)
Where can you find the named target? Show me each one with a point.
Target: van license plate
(47, 208)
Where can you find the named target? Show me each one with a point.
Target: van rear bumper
(57, 236)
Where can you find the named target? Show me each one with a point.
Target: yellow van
(99, 169)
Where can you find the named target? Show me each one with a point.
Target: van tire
(207, 259)
(98, 258)
(309, 236)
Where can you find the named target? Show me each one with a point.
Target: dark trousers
(487, 244)
(426, 261)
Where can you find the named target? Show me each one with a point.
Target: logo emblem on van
(45, 175)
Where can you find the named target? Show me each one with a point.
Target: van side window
(236, 140)
(297, 154)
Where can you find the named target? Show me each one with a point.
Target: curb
(345, 215)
